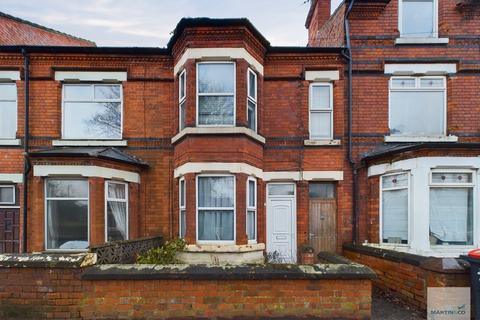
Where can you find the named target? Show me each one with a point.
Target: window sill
(449, 138)
(227, 248)
(218, 131)
(405, 40)
(89, 143)
(10, 142)
(323, 143)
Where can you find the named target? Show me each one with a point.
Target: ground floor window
(67, 225)
(116, 210)
(394, 227)
(252, 210)
(182, 214)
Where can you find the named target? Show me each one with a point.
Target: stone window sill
(449, 138)
(322, 143)
(89, 143)
(218, 131)
(405, 40)
(10, 142)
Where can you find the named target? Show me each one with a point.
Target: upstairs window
(321, 111)
(394, 208)
(182, 94)
(92, 111)
(417, 106)
(216, 94)
(252, 100)
(418, 18)
(8, 110)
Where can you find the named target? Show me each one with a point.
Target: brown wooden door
(323, 221)
(9, 230)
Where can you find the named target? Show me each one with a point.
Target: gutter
(26, 163)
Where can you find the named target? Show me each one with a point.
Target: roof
(16, 31)
(104, 153)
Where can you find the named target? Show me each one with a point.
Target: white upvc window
(394, 208)
(7, 194)
(251, 221)
(116, 211)
(182, 95)
(182, 214)
(216, 93)
(8, 110)
(321, 111)
(418, 18)
(216, 209)
(418, 106)
(67, 214)
(92, 111)
(252, 99)
(452, 204)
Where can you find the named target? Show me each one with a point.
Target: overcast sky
(150, 22)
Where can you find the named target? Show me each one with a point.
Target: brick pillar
(97, 211)
(241, 93)
(302, 212)
(191, 232)
(36, 215)
(133, 210)
(241, 208)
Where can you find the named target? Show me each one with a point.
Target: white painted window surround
(11, 177)
(218, 130)
(106, 76)
(420, 172)
(428, 69)
(9, 75)
(85, 171)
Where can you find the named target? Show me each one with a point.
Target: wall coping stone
(240, 272)
(47, 260)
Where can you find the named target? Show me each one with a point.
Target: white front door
(281, 223)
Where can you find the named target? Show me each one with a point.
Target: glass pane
(251, 193)
(417, 113)
(8, 120)
(107, 92)
(451, 177)
(215, 225)
(116, 221)
(182, 193)
(252, 85)
(320, 97)
(395, 181)
(215, 110)
(451, 216)
(182, 116)
(251, 218)
(8, 91)
(281, 189)
(92, 120)
(432, 83)
(321, 190)
(417, 18)
(215, 78)
(78, 92)
(251, 115)
(183, 223)
(395, 216)
(403, 83)
(117, 191)
(215, 192)
(182, 85)
(61, 188)
(67, 224)
(7, 195)
(320, 125)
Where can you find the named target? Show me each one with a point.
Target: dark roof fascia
(304, 50)
(87, 50)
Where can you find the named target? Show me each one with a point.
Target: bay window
(182, 209)
(216, 94)
(67, 211)
(116, 211)
(8, 110)
(216, 209)
(418, 18)
(92, 111)
(251, 220)
(252, 100)
(321, 111)
(182, 94)
(394, 208)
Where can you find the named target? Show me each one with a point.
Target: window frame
(46, 198)
(249, 208)
(16, 108)
(197, 209)
(92, 84)
(322, 110)
(181, 100)
(8, 186)
(182, 207)
(251, 99)
(435, 21)
(234, 94)
(380, 208)
(126, 200)
(417, 88)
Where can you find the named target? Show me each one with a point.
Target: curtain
(395, 215)
(215, 225)
(52, 232)
(118, 209)
(251, 217)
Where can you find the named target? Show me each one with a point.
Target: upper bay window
(216, 94)
(321, 111)
(92, 111)
(8, 110)
(418, 18)
(417, 106)
(182, 95)
(252, 100)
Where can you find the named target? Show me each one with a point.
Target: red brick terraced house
(414, 68)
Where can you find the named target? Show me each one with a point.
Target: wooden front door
(9, 230)
(323, 217)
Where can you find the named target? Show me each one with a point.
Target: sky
(149, 23)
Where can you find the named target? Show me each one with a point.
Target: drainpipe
(347, 53)
(26, 164)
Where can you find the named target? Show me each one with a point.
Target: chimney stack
(318, 14)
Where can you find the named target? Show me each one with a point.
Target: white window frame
(252, 99)
(417, 89)
(221, 242)
(107, 199)
(9, 186)
(66, 84)
(16, 108)
(380, 226)
(435, 21)
(60, 199)
(180, 206)
(249, 208)
(473, 186)
(182, 78)
(198, 94)
(323, 110)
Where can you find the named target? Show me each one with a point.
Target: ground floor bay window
(116, 210)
